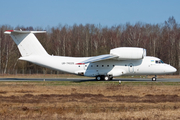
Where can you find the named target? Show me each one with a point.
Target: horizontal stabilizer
(22, 32)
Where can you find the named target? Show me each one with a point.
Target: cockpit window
(159, 61)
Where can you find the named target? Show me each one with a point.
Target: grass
(89, 100)
(87, 83)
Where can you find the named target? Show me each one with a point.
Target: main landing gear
(104, 77)
(154, 78)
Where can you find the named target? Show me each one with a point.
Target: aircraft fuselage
(146, 66)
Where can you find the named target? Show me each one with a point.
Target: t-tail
(27, 42)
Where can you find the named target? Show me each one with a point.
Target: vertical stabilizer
(27, 42)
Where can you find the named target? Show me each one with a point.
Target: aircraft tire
(106, 78)
(154, 79)
(98, 78)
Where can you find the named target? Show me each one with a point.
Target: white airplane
(120, 61)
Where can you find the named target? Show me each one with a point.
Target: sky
(43, 13)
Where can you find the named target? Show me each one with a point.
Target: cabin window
(102, 65)
(91, 65)
(113, 65)
(79, 66)
(107, 65)
(97, 65)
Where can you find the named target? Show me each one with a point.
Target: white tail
(27, 42)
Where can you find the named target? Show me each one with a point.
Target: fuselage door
(131, 68)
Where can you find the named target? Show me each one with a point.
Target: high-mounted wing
(97, 58)
(121, 53)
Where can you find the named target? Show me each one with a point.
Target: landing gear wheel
(154, 79)
(98, 78)
(106, 78)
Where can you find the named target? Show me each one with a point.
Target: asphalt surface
(88, 79)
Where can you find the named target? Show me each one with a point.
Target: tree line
(160, 40)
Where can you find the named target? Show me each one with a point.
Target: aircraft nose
(172, 69)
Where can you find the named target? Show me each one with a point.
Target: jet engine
(128, 53)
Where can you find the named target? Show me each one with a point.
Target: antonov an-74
(120, 61)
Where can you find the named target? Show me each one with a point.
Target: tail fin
(27, 42)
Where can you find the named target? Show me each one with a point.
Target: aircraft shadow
(73, 80)
(125, 80)
(85, 80)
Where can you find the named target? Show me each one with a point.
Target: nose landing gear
(154, 78)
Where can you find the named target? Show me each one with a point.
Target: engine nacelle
(128, 53)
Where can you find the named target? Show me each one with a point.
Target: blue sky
(43, 13)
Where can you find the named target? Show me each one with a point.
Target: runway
(89, 79)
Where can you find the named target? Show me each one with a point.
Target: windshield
(159, 61)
